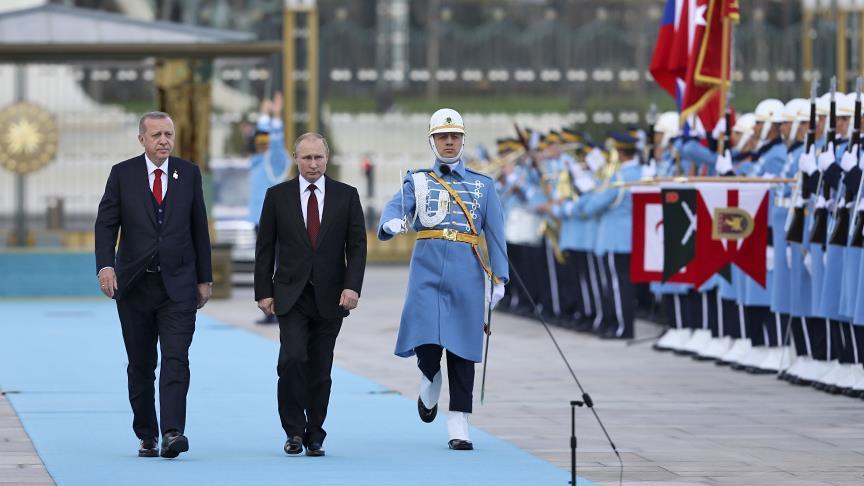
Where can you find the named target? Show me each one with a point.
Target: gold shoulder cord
(464, 209)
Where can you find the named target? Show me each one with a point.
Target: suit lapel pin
(175, 175)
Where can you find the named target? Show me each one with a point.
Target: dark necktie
(445, 169)
(313, 224)
(157, 185)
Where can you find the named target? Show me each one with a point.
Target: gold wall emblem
(28, 137)
(731, 224)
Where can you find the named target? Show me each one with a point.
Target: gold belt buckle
(450, 234)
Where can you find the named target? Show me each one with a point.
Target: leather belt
(449, 235)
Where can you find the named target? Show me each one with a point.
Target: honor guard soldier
(451, 285)
(614, 207)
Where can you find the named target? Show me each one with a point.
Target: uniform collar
(457, 168)
(151, 166)
(768, 146)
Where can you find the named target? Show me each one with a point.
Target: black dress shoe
(755, 370)
(173, 443)
(148, 448)
(314, 449)
(460, 445)
(585, 325)
(426, 414)
(797, 380)
(294, 445)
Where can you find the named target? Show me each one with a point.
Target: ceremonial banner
(647, 257)
(686, 233)
(704, 78)
(679, 229)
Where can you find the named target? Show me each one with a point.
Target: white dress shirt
(151, 175)
(319, 194)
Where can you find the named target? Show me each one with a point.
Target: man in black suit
(159, 276)
(316, 223)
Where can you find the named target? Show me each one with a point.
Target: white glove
(394, 227)
(719, 129)
(808, 263)
(769, 258)
(586, 183)
(821, 202)
(788, 257)
(807, 161)
(497, 295)
(649, 170)
(724, 163)
(595, 159)
(827, 157)
(849, 159)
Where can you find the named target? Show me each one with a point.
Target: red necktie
(313, 224)
(157, 185)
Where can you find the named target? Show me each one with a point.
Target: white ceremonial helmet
(846, 107)
(446, 120)
(768, 111)
(797, 110)
(823, 104)
(845, 104)
(744, 124)
(667, 124)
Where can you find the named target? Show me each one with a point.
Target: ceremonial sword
(489, 335)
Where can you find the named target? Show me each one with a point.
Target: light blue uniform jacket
(829, 301)
(444, 303)
(260, 175)
(614, 207)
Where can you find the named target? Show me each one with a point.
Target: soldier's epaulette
(422, 170)
(478, 173)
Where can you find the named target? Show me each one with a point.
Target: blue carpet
(66, 362)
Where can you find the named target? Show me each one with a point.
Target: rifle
(795, 220)
(840, 233)
(857, 240)
(819, 232)
(651, 119)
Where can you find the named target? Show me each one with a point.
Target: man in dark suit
(316, 224)
(160, 275)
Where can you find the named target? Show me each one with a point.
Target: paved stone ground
(675, 421)
(19, 463)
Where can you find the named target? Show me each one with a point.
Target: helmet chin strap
(447, 160)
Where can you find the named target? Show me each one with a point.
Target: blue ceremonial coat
(829, 301)
(782, 282)
(614, 206)
(265, 168)
(445, 302)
